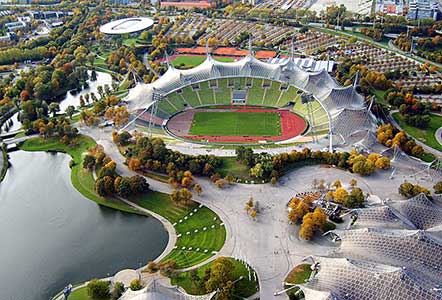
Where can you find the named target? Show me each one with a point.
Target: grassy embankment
(4, 166)
(426, 136)
(243, 288)
(298, 276)
(194, 244)
(190, 61)
(81, 179)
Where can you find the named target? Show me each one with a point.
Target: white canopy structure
(156, 291)
(127, 25)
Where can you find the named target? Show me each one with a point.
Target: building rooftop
(127, 25)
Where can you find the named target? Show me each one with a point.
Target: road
(269, 244)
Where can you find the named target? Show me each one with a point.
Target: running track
(291, 125)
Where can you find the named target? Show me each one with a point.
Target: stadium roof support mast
(292, 53)
(307, 100)
(207, 48)
(153, 112)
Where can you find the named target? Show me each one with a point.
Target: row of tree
(266, 166)
(390, 136)
(108, 182)
(153, 155)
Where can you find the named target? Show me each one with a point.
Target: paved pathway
(269, 244)
(438, 135)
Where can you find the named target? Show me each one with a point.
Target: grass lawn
(426, 136)
(189, 222)
(298, 276)
(235, 168)
(244, 287)
(236, 124)
(80, 294)
(380, 95)
(81, 179)
(4, 166)
(130, 41)
(190, 61)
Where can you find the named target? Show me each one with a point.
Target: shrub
(409, 190)
(98, 290)
(135, 285)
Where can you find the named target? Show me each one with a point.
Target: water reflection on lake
(51, 235)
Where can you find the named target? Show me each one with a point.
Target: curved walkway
(270, 245)
(438, 135)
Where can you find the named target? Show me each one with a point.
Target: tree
(134, 164)
(253, 213)
(230, 179)
(319, 218)
(70, 111)
(257, 171)
(138, 184)
(337, 184)
(353, 182)
(227, 291)
(123, 188)
(198, 189)
(54, 107)
(221, 272)
(438, 188)
(298, 211)
(340, 194)
(307, 230)
(383, 163)
(135, 285)
(409, 190)
(186, 196)
(98, 290)
(125, 138)
(355, 199)
(220, 183)
(89, 162)
(194, 277)
(100, 188)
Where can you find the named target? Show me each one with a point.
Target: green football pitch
(236, 124)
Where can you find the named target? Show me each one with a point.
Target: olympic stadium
(126, 25)
(253, 102)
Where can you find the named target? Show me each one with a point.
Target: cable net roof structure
(345, 108)
(361, 280)
(156, 291)
(420, 211)
(379, 216)
(370, 143)
(417, 251)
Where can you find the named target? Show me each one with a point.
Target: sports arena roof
(343, 278)
(346, 109)
(127, 25)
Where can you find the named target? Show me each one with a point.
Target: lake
(52, 236)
